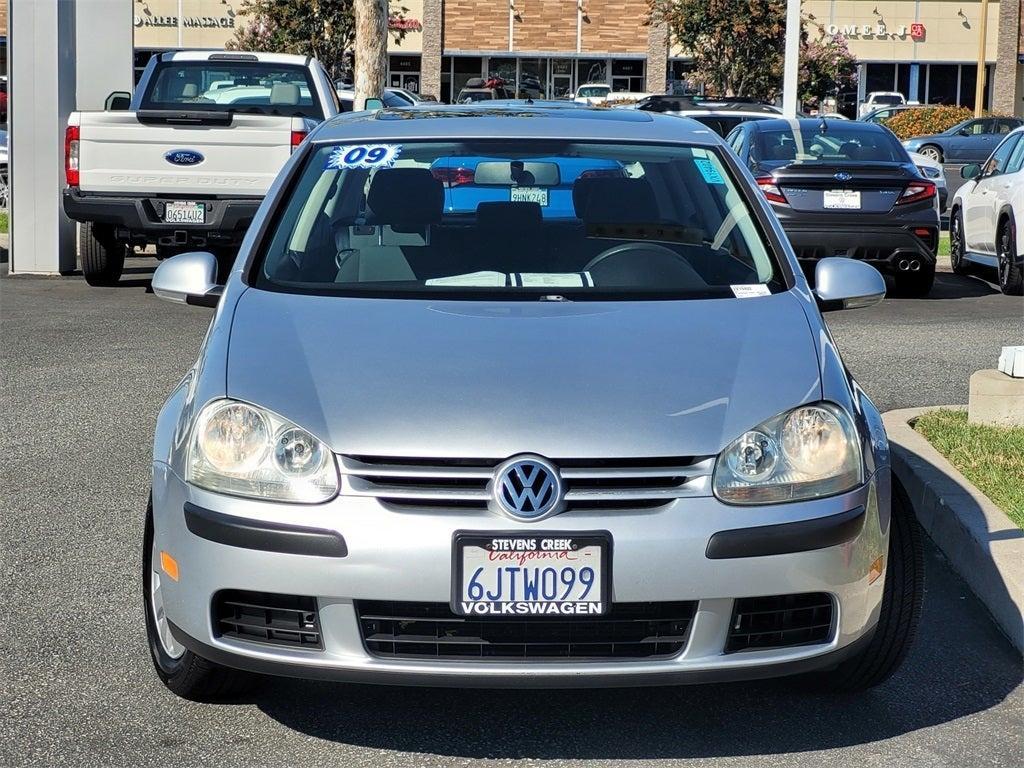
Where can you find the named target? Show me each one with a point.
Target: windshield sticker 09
(363, 156)
(708, 171)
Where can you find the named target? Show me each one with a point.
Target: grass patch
(944, 244)
(990, 457)
(3, 222)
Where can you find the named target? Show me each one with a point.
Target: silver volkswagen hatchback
(522, 396)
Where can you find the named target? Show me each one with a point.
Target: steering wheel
(625, 248)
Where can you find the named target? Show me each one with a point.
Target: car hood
(420, 378)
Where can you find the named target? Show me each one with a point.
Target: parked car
(592, 93)
(185, 166)
(878, 99)
(720, 115)
(933, 171)
(985, 214)
(883, 114)
(391, 97)
(611, 450)
(968, 142)
(478, 89)
(847, 188)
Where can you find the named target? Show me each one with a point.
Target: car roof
(228, 56)
(774, 124)
(513, 119)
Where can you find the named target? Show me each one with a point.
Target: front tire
(102, 256)
(1011, 275)
(901, 606)
(183, 672)
(914, 285)
(957, 247)
(932, 152)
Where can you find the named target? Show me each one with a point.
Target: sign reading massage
(222, 22)
(878, 31)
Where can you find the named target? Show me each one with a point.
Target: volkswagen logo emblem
(184, 157)
(527, 488)
(842, 176)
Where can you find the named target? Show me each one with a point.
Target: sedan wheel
(1011, 275)
(932, 153)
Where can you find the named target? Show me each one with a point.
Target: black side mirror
(971, 171)
(118, 101)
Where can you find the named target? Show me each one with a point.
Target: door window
(999, 161)
(1016, 161)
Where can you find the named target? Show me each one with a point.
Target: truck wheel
(102, 257)
(183, 672)
(901, 606)
(914, 285)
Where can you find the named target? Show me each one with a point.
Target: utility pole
(791, 80)
(371, 52)
(979, 91)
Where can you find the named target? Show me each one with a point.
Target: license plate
(844, 199)
(185, 213)
(537, 195)
(554, 574)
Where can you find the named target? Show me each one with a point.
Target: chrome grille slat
(464, 484)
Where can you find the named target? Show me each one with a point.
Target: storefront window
(464, 69)
(942, 83)
(445, 96)
(533, 78)
(879, 77)
(591, 71)
(502, 68)
(404, 72)
(561, 78)
(628, 75)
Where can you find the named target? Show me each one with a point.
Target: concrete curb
(984, 546)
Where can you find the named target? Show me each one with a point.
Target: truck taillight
(297, 137)
(71, 155)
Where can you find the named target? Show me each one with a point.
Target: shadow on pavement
(934, 686)
(949, 286)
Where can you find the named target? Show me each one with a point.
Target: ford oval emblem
(184, 157)
(842, 176)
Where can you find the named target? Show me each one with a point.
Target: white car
(933, 170)
(879, 99)
(986, 212)
(592, 93)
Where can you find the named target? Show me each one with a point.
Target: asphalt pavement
(83, 372)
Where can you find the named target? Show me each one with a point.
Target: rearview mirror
(971, 171)
(842, 283)
(117, 101)
(188, 278)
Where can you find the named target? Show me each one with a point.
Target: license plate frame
(841, 200)
(539, 195)
(582, 539)
(174, 212)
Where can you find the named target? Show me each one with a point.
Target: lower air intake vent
(780, 621)
(261, 617)
(431, 630)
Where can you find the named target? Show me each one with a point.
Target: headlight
(243, 450)
(806, 453)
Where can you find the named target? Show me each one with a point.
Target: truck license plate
(842, 199)
(185, 213)
(554, 574)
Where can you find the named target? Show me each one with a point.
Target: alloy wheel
(931, 153)
(171, 647)
(956, 243)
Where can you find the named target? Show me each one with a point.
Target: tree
(371, 53)
(324, 29)
(737, 45)
(826, 68)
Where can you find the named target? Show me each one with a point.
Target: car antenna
(824, 126)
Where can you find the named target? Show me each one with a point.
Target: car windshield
(841, 142)
(232, 86)
(517, 219)
(592, 90)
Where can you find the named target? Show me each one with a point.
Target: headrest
(508, 217)
(782, 151)
(284, 93)
(189, 91)
(605, 200)
(408, 199)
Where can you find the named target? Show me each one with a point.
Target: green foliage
(324, 29)
(924, 121)
(826, 68)
(737, 45)
(990, 457)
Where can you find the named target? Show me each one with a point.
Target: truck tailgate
(117, 153)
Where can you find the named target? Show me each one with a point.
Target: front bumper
(659, 555)
(141, 217)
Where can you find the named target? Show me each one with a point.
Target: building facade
(926, 49)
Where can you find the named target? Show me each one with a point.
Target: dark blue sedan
(968, 142)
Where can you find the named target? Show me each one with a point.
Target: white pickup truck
(187, 164)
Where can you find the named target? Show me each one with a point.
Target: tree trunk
(371, 52)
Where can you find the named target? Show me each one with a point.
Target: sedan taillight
(71, 155)
(916, 191)
(771, 190)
